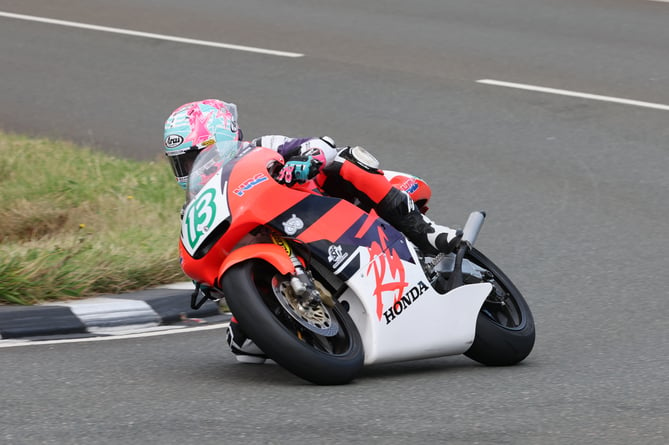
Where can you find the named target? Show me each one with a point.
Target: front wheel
(314, 354)
(505, 327)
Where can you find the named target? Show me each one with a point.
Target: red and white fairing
(399, 315)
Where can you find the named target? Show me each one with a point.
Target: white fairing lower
(419, 324)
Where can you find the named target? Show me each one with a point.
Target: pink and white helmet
(195, 126)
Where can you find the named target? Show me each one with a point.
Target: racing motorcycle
(325, 287)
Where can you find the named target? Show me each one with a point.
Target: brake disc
(319, 319)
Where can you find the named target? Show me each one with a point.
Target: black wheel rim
(502, 309)
(333, 345)
(501, 306)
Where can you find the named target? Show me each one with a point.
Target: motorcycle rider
(349, 172)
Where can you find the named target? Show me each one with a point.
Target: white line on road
(618, 100)
(164, 330)
(149, 35)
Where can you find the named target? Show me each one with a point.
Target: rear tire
(505, 331)
(322, 360)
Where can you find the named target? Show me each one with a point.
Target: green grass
(75, 222)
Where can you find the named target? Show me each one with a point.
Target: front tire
(316, 358)
(505, 331)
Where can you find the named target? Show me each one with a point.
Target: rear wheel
(505, 327)
(321, 345)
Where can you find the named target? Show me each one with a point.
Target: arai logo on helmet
(173, 140)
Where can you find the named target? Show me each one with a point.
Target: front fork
(308, 291)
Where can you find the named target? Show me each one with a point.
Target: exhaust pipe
(473, 226)
(469, 234)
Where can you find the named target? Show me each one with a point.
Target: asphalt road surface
(565, 145)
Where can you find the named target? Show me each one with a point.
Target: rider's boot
(399, 210)
(242, 347)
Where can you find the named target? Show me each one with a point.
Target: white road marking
(180, 285)
(149, 35)
(153, 332)
(636, 103)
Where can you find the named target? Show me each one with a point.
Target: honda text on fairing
(324, 287)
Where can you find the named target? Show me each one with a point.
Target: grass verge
(75, 222)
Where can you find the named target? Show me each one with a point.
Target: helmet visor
(183, 163)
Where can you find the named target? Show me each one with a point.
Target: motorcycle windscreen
(209, 162)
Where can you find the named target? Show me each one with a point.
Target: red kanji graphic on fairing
(386, 267)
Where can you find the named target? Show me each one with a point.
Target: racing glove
(299, 169)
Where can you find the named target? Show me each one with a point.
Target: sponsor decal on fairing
(409, 186)
(336, 255)
(292, 226)
(399, 306)
(249, 184)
